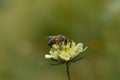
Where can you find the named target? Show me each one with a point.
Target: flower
(65, 52)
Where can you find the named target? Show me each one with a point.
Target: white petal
(48, 56)
(73, 44)
(84, 49)
(80, 44)
(65, 57)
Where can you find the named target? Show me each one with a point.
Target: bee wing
(50, 37)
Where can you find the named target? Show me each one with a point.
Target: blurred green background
(25, 24)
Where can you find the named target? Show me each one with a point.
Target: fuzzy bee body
(57, 40)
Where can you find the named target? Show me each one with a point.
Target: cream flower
(65, 52)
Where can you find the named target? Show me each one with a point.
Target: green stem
(67, 70)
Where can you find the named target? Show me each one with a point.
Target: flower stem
(67, 70)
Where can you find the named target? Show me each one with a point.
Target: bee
(57, 40)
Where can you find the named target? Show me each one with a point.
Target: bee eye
(50, 43)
